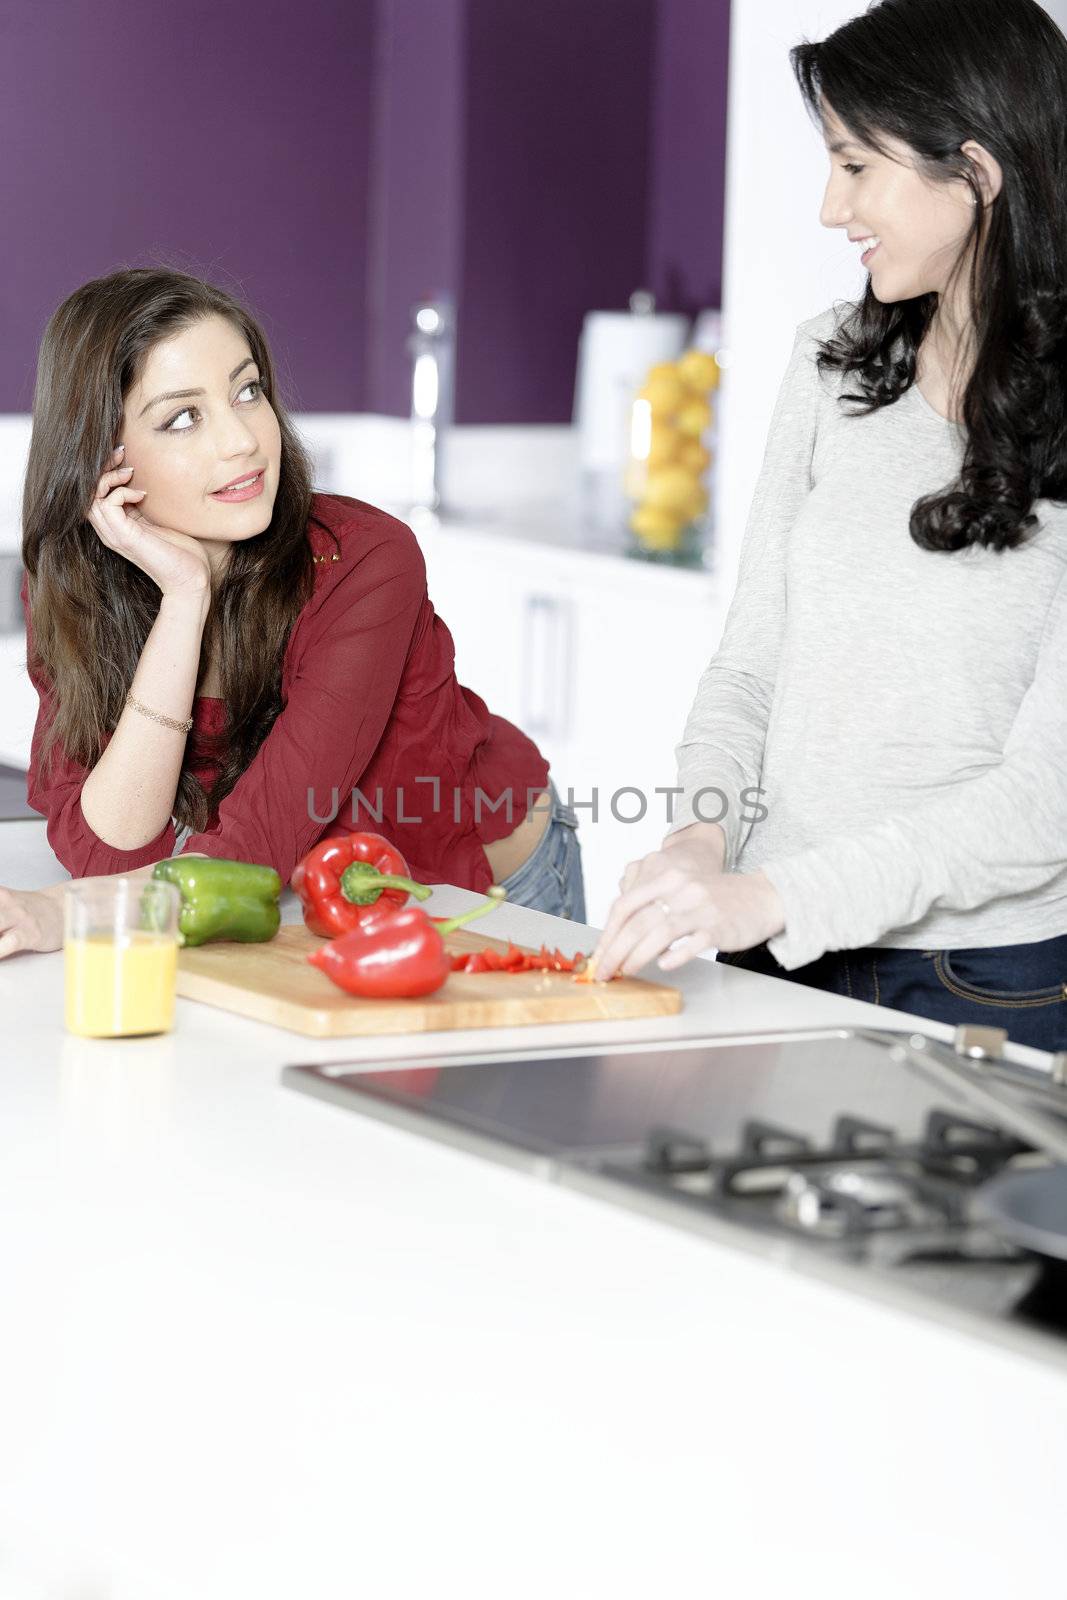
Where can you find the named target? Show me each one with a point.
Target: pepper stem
(362, 883)
(496, 896)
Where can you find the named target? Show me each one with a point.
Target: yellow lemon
(693, 418)
(699, 369)
(693, 455)
(659, 530)
(664, 390)
(671, 489)
(666, 443)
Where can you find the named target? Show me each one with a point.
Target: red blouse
(371, 704)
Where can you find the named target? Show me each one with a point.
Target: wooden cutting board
(273, 982)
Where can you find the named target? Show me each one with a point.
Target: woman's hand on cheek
(177, 563)
(682, 895)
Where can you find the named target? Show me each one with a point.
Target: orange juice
(120, 984)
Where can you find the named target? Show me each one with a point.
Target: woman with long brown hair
(228, 662)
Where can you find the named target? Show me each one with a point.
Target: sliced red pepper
(343, 880)
(515, 959)
(475, 961)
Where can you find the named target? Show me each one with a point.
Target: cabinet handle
(547, 649)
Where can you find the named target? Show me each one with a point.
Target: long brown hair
(90, 609)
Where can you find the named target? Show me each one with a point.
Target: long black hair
(934, 73)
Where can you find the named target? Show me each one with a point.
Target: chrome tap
(432, 343)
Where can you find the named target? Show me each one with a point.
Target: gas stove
(877, 1158)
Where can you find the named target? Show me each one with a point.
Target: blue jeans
(551, 878)
(1020, 987)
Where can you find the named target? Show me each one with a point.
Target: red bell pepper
(395, 955)
(341, 880)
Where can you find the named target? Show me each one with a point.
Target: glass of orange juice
(120, 953)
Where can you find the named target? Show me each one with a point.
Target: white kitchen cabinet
(639, 651)
(478, 593)
(597, 659)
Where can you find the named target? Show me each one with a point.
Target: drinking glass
(120, 950)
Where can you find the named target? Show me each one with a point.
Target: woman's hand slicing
(680, 895)
(176, 562)
(30, 919)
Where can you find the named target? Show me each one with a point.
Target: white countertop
(256, 1346)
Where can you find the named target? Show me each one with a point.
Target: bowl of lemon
(667, 469)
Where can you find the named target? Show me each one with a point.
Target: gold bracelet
(157, 716)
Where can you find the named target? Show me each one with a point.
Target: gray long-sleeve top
(902, 712)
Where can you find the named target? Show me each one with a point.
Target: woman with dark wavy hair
(228, 662)
(892, 674)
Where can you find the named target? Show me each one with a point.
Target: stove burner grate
(866, 1179)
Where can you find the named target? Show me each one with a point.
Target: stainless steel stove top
(858, 1154)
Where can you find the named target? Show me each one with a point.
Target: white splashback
(486, 469)
(14, 445)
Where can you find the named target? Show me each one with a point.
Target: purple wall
(227, 141)
(334, 160)
(687, 188)
(558, 111)
(417, 215)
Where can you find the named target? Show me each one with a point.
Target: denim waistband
(561, 812)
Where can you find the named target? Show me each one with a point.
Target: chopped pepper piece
(515, 959)
(223, 899)
(342, 880)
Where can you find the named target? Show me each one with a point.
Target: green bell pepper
(223, 899)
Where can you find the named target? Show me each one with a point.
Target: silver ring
(665, 908)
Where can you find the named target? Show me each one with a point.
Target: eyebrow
(185, 394)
